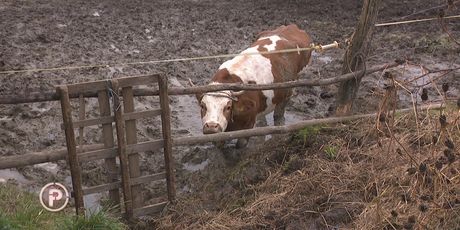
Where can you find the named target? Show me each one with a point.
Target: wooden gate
(126, 147)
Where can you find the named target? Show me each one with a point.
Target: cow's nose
(211, 127)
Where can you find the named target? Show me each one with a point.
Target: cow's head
(219, 108)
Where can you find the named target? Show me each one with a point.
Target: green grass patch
(308, 132)
(22, 210)
(331, 151)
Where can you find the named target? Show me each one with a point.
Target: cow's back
(269, 68)
(290, 63)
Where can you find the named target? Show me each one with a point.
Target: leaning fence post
(107, 136)
(131, 138)
(63, 92)
(354, 58)
(122, 154)
(166, 127)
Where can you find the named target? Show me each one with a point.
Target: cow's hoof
(219, 144)
(241, 143)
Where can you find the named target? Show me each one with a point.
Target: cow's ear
(243, 105)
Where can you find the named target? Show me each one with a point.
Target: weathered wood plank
(131, 138)
(139, 80)
(155, 208)
(71, 149)
(117, 184)
(166, 128)
(16, 161)
(122, 155)
(262, 131)
(145, 146)
(86, 87)
(112, 152)
(93, 121)
(51, 96)
(109, 153)
(141, 114)
(81, 116)
(109, 119)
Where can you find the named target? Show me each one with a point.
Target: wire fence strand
(414, 21)
(317, 48)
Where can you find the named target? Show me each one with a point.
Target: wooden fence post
(355, 56)
(71, 149)
(131, 138)
(109, 142)
(166, 128)
(122, 154)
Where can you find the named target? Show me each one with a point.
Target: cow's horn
(191, 82)
(237, 93)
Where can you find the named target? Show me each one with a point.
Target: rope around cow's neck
(222, 94)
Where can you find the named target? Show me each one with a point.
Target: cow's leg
(219, 144)
(278, 114)
(261, 121)
(242, 142)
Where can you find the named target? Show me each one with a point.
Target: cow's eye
(203, 106)
(228, 108)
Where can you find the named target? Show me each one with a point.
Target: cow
(227, 110)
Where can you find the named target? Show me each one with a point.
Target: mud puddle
(11, 174)
(414, 79)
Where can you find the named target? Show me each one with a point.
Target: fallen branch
(52, 96)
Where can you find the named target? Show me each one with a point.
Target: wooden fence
(32, 97)
(127, 147)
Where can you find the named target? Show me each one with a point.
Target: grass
(330, 151)
(351, 176)
(308, 132)
(22, 210)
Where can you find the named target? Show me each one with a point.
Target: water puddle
(50, 167)
(10, 174)
(415, 82)
(186, 106)
(92, 203)
(195, 167)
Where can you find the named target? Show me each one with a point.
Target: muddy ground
(43, 34)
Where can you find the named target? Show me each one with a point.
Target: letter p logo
(54, 194)
(54, 197)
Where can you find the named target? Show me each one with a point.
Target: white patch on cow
(274, 39)
(256, 68)
(215, 109)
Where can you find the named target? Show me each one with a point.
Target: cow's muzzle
(211, 127)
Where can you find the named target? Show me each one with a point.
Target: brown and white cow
(229, 111)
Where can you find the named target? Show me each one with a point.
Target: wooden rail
(51, 96)
(93, 150)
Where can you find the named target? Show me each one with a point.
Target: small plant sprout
(330, 151)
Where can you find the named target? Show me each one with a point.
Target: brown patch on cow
(286, 66)
(261, 43)
(245, 110)
(223, 76)
(228, 111)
